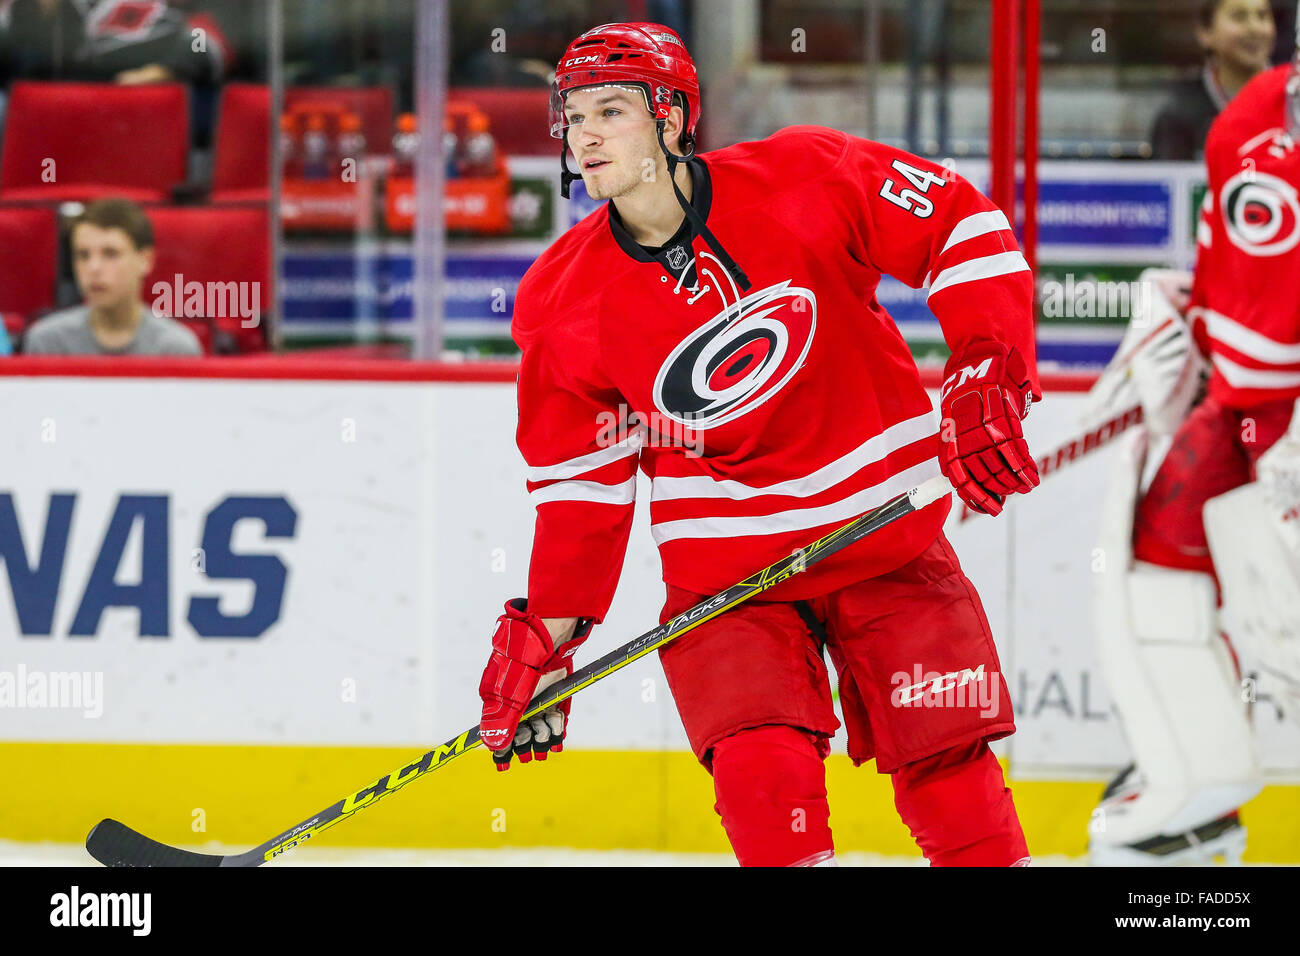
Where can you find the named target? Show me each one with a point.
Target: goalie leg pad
(1173, 682)
(959, 809)
(1260, 578)
(770, 784)
(1254, 536)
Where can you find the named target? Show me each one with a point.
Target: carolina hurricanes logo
(125, 20)
(738, 359)
(1261, 213)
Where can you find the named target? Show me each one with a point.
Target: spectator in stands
(128, 42)
(1237, 37)
(112, 40)
(112, 252)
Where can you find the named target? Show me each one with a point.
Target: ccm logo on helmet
(579, 60)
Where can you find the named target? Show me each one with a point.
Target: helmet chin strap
(566, 177)
(696, 221)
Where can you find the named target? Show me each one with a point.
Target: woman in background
(1237, 37)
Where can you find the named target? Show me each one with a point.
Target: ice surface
(63, 854)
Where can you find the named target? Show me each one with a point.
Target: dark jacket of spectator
(1183, 123)
(106, 40)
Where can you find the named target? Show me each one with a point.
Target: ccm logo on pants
(936, 685)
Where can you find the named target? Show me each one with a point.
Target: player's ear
(673, 128)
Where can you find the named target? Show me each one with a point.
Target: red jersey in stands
(766, 417)
(1247, 286)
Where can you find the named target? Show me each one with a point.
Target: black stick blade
(114, 844)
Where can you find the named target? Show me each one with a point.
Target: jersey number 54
(914, 202)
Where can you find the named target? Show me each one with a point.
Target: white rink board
(353, 605)
(408, 538)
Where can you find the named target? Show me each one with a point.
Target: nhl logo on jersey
(739, 359)
(1261, 213)
(676, 257)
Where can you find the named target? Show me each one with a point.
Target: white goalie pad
(1253, 539)
(1172, 681)
(1278, 474)
(1157, 364)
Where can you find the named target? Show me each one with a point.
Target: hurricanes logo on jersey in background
(1261, 213)
(738, 359)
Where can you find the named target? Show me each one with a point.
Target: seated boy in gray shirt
(112, 252)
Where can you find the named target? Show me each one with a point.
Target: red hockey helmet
(646, 55)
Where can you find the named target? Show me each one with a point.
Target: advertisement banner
(321, 563)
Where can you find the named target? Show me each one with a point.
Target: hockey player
(1173, 674)
(726, 303)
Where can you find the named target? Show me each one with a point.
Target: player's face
(108, 266)
(612, 136)
(1242, 33)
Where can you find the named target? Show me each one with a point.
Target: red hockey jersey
(1247, 281)
(764, 418)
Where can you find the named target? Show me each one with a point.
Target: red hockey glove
(982, 451)
(523, 662)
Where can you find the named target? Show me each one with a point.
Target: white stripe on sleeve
(983, 267)
(589, 462)
(1238, 376)
(1249, 342)
(981, 223)
(592, 491)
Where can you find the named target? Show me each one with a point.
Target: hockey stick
(115, 844)
(1077, 447)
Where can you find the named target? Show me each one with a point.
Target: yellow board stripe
(651, 800)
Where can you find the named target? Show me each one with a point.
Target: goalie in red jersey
(1204, 506)
(720, 311)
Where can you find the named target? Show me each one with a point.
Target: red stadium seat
(205, 330)
(241, 168)
(519, 118)
(30, 240)
(374, 104)
(213, 245)
(104, 140)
